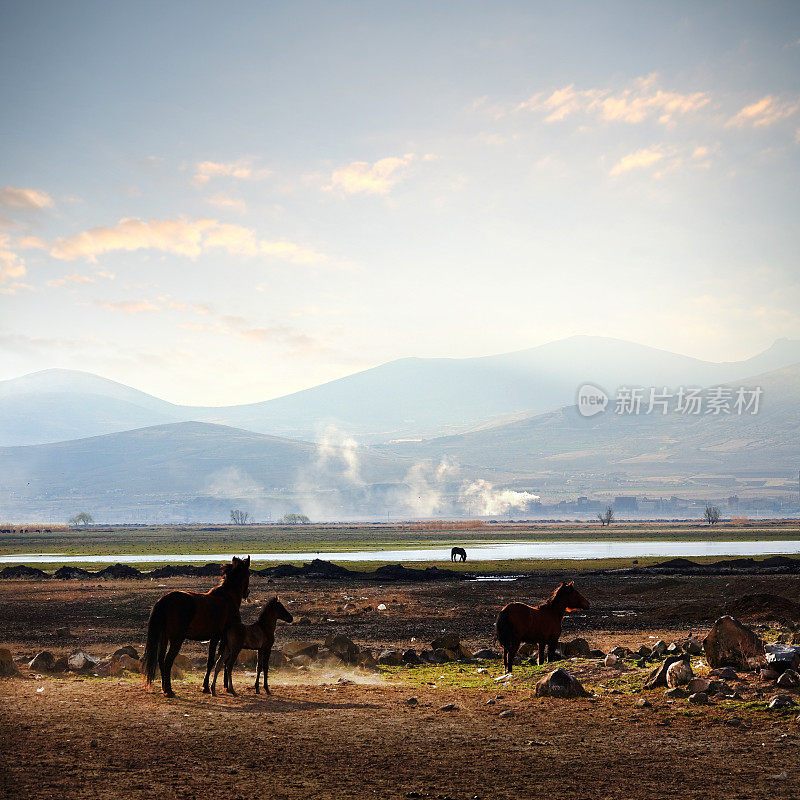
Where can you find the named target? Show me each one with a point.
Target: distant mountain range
(407, 398)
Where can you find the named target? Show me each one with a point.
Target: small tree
(294, 519)
(239, 517)
(607, 517)
(711, 514)
(82, 519)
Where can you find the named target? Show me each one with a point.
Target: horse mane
(228, 571)
(551, 600)
(270, 604)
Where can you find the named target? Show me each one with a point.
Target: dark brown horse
(458, 552)
(259, 636)
(178, 616)
(540, 625)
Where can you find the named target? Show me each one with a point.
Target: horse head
(238, 572)
(569, 597)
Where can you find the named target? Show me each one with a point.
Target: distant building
(626, 503)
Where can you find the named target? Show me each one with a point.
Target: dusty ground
(91, 737)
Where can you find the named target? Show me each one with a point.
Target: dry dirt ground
(319, 736)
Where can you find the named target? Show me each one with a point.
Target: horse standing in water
(259, 636)
(460, 552)
(539, 625)
(197, 616)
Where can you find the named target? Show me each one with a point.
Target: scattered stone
(128, 650)
(303, 621)
(412, 701)
(8, 669)
(768, 675)
(63, 633)
(43, 662)
(733, 722)
(128, 663)
(674, 648)
(701, 685)
(390, 658)
(659, 649)
(781, 657)
(343, 647)
(781, 776)
(726, 673)
(506, 714)
(442, 656)
(611, 660)
(643, 702)
(448, 707)
(679, 674)
(61, 664)
(658, 676)
(692, 646)
(781, 701)
(301, 660)
(644, 651)
(182, 662)
(731, 644)
(277, 659)
(463, 653)
(447, 641)
(595, 653)
(620, 652)
(559, 683)
(677, 693)
(246, 658)
(576, 648)
(367, 661)
(789, 680)
(490, 702)
(297, 648)
(487, 655)
(80, 660)
(699, 699)
(381, 607)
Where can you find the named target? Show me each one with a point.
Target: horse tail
(503, 628)
(155, 633)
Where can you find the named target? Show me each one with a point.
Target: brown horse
(259, 636)
(540, 625)
(459, 552)
(196, 616)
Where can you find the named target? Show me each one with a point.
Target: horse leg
(266, 669)
(258, 669)
(541, 653)
(212, 652)
(217, 666)
(510, 654)
(169, 658)
(552, 644)
(229, 664)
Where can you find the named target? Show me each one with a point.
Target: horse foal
(259, 636)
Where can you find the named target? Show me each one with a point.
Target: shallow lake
(496, 551)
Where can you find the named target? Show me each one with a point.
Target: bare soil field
(352, 733)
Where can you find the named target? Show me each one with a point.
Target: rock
(80, 660)
(659, 649)
(463, 653)
(303, 621)
(128, 663)
(63, 633)
(410, 656)
(620, 652)
(702, 685)
(182, 662)
(559, 683)
(128, 650)
(643, 702)
(442, 656)
(448, 707)
(527, 650)
(789, 680)
(412, 701)
(731, 644)
(768, 675)
(381, 607)
(781, 701)
(61, 664)
(277, 659)
(721, 689)
(343, 647)
(595, 653)
(781, 657)
(427, 657)
(297, 648)
(677, 693)
(658, 676)
(43, 662)
(247, 659)
(692, 646)
(447, 641)
(726, 673)
(487, 655)
(366, 660)
(679, 674)
(301, 660)
(576, 648)
(733, 722)
(611, 660)
(644, 651)
(699, 699)
(8, 669)
(506, 714)
(390, 658)
(674, 648)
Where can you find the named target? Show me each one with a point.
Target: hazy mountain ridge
(409, 397)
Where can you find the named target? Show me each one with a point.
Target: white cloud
(129, 306)
(18, 197)
(224, 200)
(241, 170)
(183, 237)
(11, 264)
(377, 178)
(766, 111)
(637, 103)
(641, 159)
(76, 279)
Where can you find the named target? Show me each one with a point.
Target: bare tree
(239, 517)
(712, 514)
(83, 518)
(607, 517)
(294, 519)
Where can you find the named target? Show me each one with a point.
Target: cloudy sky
(222, 203)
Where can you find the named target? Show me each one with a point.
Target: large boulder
(487, 655)
(679, 674)
(182, 662)
(81, 660)
(345, 648)
(391, 658)
(559, 683)
(658, 676)
(8, 669)
(128, 650)
(731, 644)
(781, 657)
(300, 648)
(447, 641)
(43, 662)
(127, 663)
(576, 648)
